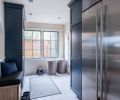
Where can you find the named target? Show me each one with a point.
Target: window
(51, 44)
(32, 44)
(35, 48)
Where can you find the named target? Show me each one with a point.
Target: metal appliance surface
(101, 51)
(90, 51)
(111, 51)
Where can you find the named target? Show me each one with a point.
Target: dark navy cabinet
(13, 32)
(76, 77)
(76, 41)
(76, 46)
(75, 13)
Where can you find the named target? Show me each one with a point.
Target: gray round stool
(51, 68)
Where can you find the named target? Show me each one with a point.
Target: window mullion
(57, 44)
(41, 44)
(50, 44)
(41, 52)
(32, 44)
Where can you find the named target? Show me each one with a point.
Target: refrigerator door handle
(97, 44)
(101, 53)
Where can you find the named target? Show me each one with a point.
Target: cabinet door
(76, 77)
(76, 68)
(76, 42)
(76, 47)
(13, 33)
(76, 17)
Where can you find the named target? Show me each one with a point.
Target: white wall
(67, 41)
(32, 64)
(1, 32)
(1, 29)
(67, 44)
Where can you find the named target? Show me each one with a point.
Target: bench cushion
(14, 79)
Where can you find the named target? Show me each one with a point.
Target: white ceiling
(46, 11)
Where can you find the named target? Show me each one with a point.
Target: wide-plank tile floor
(62, 82)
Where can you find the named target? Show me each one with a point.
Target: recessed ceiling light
(58, 17)
(30, 13)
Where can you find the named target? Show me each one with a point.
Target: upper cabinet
(86, 4)
(75, 9)
(14, 32)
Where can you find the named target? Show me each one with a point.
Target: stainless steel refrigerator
(101, 51)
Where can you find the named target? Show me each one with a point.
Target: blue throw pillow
(8, 68)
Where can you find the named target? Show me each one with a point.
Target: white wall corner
(2, 32)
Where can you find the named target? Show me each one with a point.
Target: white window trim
(42, 43)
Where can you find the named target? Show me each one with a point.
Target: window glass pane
(28, 44)
(46, 44)
(54, 44)
(28, 35)
(36, 44)
(36, 53)
(28, 53)
(36, 35)
(54, 53)
(54, 35)
(46, 35)
(47, 52)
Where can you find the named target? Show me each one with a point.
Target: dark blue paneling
(76, 11)
(76, 46)
(13, 32)
(76, 77)
(76, 41)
